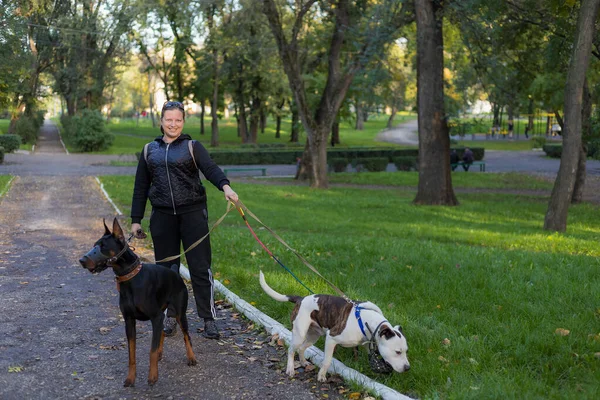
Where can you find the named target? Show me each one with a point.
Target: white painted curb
(108, 197)
(312, 353)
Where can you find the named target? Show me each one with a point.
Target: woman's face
(172, 123)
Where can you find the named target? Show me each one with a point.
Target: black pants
(168, 232)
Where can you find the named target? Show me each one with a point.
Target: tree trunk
(278, 127)
(360, 119)
(242, 118)
(214, 102)
(151, 99)
(335, 132)
(435, 182)
(391, 119)
(295, 131)
(254, 119)
(558, 208)
(263, 120)
(586, 131)
(202, 112)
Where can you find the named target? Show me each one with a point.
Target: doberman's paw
(152, 380)
(192, 362)
(129, 382)
(160, 355)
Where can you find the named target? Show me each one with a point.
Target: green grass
(4, 181)
(510, 180)
(483, 275)
(130, 136)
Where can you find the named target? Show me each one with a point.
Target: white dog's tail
(274, 294)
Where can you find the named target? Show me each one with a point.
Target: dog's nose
(406, 367)
(83, 261)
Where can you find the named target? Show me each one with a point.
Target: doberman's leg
(130, 332)
(157, 334)
(183, 324)
(160, 346)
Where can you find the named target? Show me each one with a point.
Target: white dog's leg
(298, 337)
(328, 356)
(311, 337)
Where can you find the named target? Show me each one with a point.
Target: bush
(374, 164)
(553, 150)
(406, 163)
(26, 128)
(88, 132)
(10, 142)
(338, 164)
(538, 142)
(593, 149)
(1, 154)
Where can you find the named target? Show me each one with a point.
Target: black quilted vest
(175, 177)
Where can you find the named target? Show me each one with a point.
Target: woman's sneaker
(170, 326)
(210, 329)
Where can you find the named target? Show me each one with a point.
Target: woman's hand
(230, 195)
(137, 232)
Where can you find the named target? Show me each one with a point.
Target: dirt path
(61, 333)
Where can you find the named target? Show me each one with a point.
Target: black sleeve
(141, 187)
(208, 167)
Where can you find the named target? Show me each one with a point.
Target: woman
(168, 175)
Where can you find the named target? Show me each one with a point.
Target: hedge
(266, 156)
(374, 164)
(406, 163)
(555, 150)
(338, 164)
(1, 154)
(10, 142)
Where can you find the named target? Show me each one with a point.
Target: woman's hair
(171, 105)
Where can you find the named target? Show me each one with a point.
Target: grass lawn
(510, 180)
(130, 135)
(4, 180)
(519, 306)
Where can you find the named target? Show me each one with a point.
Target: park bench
(480, 163)
(263, 170)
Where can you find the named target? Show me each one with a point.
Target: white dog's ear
(398, 328)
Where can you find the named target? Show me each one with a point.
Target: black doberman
(145, 292)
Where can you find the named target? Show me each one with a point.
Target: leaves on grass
(446, 342)
(15, 369)
(562, 332)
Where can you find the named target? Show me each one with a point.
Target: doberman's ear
(106, 230)
(117, 231)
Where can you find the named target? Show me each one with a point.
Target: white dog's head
(392, 346)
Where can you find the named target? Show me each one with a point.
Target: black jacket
(170, 179)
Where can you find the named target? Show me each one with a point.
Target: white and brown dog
(342, 322)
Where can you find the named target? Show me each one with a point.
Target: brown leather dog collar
(130, 275)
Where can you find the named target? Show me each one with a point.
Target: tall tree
(556, 215)
(435, 181)
(354, 40)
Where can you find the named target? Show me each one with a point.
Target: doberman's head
(106, 250)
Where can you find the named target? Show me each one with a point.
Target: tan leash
(196, 243)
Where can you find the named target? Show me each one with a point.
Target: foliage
(484, 277)
(593, 147)
(10, 142)
(406, 163)
(373, 164)
(87, 131)
(1, 154)
(27, 129)
(338, 164)
(538, 142)
(553, 150)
